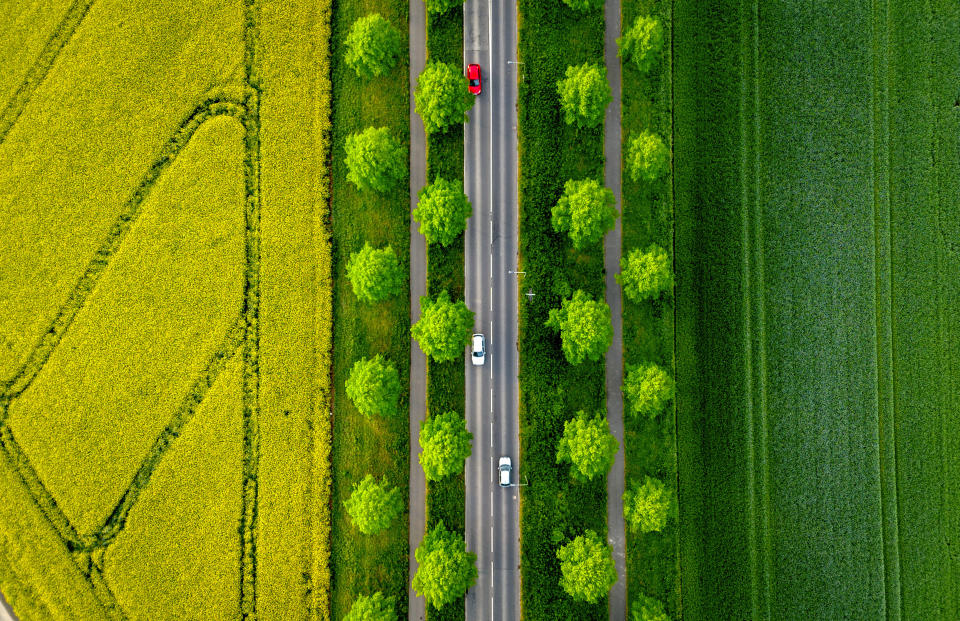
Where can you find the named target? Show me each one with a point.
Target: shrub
(588, 444)
(444, 327)
(375, 159)
(373, 506)
(642, 42)
(442, 211)
(373, 46)
(648, 609)
(647, 507)
(375, 274)
(586, 567)
(645, 274)
(442, 6)
(446, 445)
(584, 5)
(584, 325)
(442, 97)
(374, 386)
(584, 94)
(446, 570)
(648, 158)
(585, 212)
(648, 388)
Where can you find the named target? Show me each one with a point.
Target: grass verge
(648, 328)
(446, 381)
(554, 508)
(362, 564)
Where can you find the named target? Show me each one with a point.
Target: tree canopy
(373, 506)
(374, 607)
(446, 570)
(585, 328)
(442, 6)
(442, 97)
(587, 444)
(444, 327)
(446, 444)
(442, 211)
(648, 158)
(648, 609)
(375, 159)
(373, 46)
(645, 274)
(586, 568)
(642, 42)
(584, 94)
(374, 386)
(648, 388)
(585, 212)
(647, 507)
(584, 5)
(374, 273)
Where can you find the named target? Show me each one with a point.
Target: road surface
(614, 360)
(418, 287)
(6, 613)
(490, 180)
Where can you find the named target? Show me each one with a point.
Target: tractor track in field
(41, 67)
(883, 302)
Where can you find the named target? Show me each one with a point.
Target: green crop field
(816, 193)
(165, 309)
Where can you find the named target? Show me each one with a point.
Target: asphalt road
(614, 359)
(418, 287)
(492, 398)
(6, 613)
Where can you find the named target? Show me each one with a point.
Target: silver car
(505, 467)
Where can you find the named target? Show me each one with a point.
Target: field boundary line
(883, 305)
(251, 312)
(41, 67)
(37, 359)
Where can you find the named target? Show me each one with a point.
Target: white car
(505, 467)
(479, 350)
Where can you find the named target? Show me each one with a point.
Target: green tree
(444, 327)
(442, 97)
(446, 445)
(642, 42)
(584, 94)
(374, 273)
(585, 212)
(374, 386)
(586, 568)
(648, 388)
(375, 159)
(446, 570)
(648, 609)
(645, 274)
(588, 444)
(647, 507)
(373, 506)
(584, 5)
(647, 157)
(442, 211)
(442, 6)
(584, 325)
(373, 46)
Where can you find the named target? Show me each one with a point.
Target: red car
(473, 78)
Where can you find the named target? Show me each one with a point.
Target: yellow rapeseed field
(165, 309)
